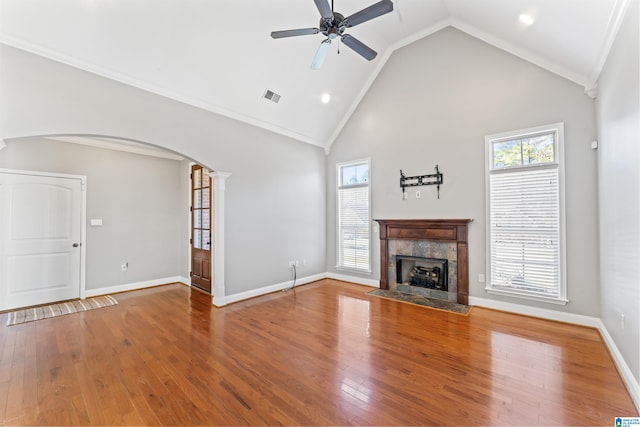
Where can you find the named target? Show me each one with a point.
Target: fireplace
(440, 239)
(423, 272)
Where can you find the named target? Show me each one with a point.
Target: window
(353, 216)
(525, 218)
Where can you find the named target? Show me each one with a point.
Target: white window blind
(525, 217)
(525, 231)
(353, 216)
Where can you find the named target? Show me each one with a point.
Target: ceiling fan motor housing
(333, 28)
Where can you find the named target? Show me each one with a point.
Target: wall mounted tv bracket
(414, 181)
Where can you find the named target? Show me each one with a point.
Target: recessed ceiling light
(325, 98)
(526, 19)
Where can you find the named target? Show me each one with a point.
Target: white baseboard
(543, 313)
(354, 279)
(136, 285)
(625, 372)
(577, 319)
(228, 299)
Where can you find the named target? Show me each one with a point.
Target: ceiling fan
(333, 25)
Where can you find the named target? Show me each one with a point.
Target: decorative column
(219, 298)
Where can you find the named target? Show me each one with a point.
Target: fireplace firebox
(423, 272)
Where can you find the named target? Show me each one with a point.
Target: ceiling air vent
(272, 96)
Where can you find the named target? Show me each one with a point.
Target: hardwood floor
(328, 354)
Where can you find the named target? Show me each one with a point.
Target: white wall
(618, 113)
(275, 208)
(139, 198)
(433, 103)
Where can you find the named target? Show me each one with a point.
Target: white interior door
(40, 231)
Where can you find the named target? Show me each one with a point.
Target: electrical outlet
(481, 278)
(621, 320)
(291, 263)
(124, 266)
(418, 194)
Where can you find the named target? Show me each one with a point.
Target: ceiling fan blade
(321, 54)
(293, 33)
(325, 9)
(368, 13)
(360, 48)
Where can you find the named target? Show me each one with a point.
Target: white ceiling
(218, 54)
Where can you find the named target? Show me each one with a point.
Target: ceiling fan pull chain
(338, 45)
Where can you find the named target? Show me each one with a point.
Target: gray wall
(618, 112)
(433, 103)
(139, 198)
(275, 197)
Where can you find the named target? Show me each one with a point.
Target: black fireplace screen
(423, 272)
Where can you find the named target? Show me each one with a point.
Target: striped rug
(47, 311)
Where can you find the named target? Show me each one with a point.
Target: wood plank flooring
(328, 354)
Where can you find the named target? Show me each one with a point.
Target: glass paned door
(201, 228)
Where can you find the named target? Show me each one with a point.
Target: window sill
(353, 270)
(514, 294)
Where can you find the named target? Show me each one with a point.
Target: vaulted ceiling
(218, 55)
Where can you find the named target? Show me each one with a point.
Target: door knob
(75, 245)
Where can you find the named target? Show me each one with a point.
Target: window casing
(354, 219)
(525, 214)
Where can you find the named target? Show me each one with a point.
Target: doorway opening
(201, 228)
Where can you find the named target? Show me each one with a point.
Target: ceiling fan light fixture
(321, 54)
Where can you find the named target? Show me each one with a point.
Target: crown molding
(613, 26)
(521, 53)
(154, 89)
(382, 61)
(590, 87)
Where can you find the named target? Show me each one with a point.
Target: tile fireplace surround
(452, 232)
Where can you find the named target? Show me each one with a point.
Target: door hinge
(191, 209)
(190, 176)
(191, 273)
(191, 241)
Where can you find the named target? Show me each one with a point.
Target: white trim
(543, 313)
(531, 297)
(354, 279)
(218, 290)
(628, 378)
(271, 288)
(134, 286)
(83, 237)
(613, 26)
(521, 53)
(630, 381)
(109, 74)
(381, 61)
(118, 144)
(2, 144)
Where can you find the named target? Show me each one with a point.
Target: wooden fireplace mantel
(439, 230)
